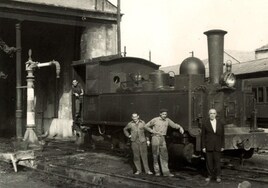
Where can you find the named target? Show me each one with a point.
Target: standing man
(213, 145)
(158, 127)
(78, 93)
(138, 143)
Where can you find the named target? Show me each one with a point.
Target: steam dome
(192, 65)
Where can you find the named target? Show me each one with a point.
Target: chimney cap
(215, 31)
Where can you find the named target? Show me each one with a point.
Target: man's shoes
(149, 173)
(137, 173)
(208, 179)
(157, 174)
(169, 175)
(218, 180)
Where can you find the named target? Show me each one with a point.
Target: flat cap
(163, 110)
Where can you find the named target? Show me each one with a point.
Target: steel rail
(100, 179)
(257, 174)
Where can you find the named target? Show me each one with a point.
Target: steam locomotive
(116, 86)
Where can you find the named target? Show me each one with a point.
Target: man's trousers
(159, 150)
(140, 151)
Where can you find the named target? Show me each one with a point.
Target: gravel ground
(21, 179)
(67, 153)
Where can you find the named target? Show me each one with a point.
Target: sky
(171, 29)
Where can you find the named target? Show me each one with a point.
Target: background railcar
(115, 87)
(260, 92)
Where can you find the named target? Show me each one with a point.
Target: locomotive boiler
(115, 87)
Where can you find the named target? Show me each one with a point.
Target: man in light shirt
(213, 145)
(158, 127)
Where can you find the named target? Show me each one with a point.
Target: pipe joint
(57, 64)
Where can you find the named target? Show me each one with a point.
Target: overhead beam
(51, 14)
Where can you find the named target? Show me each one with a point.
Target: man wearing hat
(158, 127)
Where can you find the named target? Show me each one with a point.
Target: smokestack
(215, 54)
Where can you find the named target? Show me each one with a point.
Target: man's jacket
(212, 141)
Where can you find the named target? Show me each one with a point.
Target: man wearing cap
(138, 143)
(78, 93)
(158, 127)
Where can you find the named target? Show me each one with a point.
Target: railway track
(254, 174)
(79, 177)
(82, 176)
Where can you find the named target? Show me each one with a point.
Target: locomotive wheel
(181, 151)
(247, 154)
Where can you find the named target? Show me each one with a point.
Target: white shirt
(213, 123)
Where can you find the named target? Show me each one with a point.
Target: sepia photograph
(133, 94)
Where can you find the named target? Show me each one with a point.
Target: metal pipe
(50, 63)
(118, 28)
(57, 64)
(125, 51)
(215, 54)
(18, 83)
(30, 135)
(190, 102)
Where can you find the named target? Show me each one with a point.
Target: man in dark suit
(213, 145)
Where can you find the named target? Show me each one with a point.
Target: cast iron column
(30, 135)
(18, 83)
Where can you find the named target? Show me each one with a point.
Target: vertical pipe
(18, 83)
(30, 100)
(30, 135)
(150, 55)
(118, 28)
(102, 5)
(190, 102)
(56, 106)
(215, 54)
(125, 51)
(96, 4)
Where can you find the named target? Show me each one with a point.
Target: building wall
(102, 5)
(261, 54)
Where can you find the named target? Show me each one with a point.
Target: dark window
(266, 94)
(254, 90)
(260, 94)
(116, 79)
